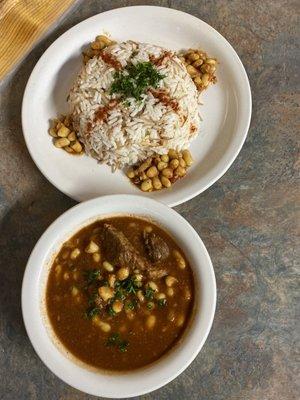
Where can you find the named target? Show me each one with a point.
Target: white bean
(92, 247)
(151, 320)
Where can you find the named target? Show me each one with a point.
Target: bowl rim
(245, 98)
(35, 324)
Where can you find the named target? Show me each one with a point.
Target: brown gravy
(120, 317)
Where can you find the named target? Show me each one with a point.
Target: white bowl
(139, 381)
(226, 109)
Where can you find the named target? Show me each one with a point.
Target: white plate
(226, 111)
(155, 375)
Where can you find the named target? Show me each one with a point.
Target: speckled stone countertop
(247, 220)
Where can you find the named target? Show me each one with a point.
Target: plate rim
(243, 132)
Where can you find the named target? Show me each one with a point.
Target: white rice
(134, 132)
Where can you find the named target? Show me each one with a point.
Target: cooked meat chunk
(119, 251)
(157, 249)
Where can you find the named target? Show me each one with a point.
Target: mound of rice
(133, 130)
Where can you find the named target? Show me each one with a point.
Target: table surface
(247, 220)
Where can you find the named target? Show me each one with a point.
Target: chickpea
(65, 255)
(165, 181)
(174, 163)
(58, 269)
(108, 266)
(211, 61)
(179, 171)
(161, 165)
(62, 142)
(69, 150)
(148, 229)
(117, 306)
(152, 172)
(72, 136)
(170, 280)
(205, 79)
(160, 296)
(192, 70)
(143, 176)
(151, 320)
(52, 132)
(74, 291)
(105, 292)
(198, 80)
(146, 164)
(165, 158)
(92, 247)
(104, 326)
(75, 253)
(97, 45)
(182, 163)
(123, 273)
(66, 276)
(96, 257)
(138, 277)
(77, 147)
(130, 173)
(172, 154)
(193, 56)
(153, 286)
(198, 63)
(140, 296)
(180, 260)
(156, 183)
(180, 320)
(63, 131)
(104, 39)
(187, 157)
(112, 280)
(146, 186)
(167, 172)
(206, 68)
(170, 292)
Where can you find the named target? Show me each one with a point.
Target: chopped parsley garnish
(149, 306)
(129, 285)
(134, 81)
(91, 312)
(111, 311)
(120, 294)
(149, 293)
(115, 341)
(92, 298)
(92, 275)
(104, 282)
(130, 305)
(161, 303)
(123, 346)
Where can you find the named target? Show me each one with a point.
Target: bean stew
(120, 293)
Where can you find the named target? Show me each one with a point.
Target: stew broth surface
(113, 316)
